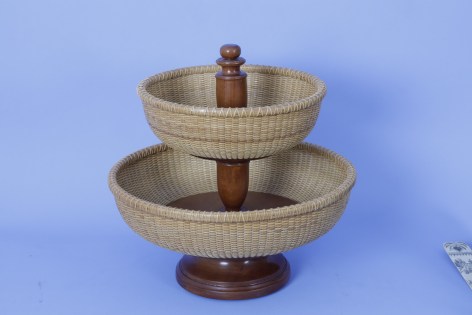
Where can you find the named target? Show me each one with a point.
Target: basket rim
(232, 217)
(269, 110)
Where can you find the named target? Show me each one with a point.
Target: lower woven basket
(145, 182)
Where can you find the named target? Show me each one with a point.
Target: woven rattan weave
(232, 186)
(145, 182)
(283, 106)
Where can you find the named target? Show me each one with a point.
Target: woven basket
(283, 106)
(145, 182)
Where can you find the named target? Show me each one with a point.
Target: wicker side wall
(283, 106)
(144, 182)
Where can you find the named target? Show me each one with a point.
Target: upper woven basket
(283, 106)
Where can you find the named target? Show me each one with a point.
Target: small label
(461, 255)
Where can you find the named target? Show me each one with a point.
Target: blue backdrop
(398, 106)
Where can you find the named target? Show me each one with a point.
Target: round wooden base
(233, 279)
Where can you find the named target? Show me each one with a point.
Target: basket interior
(303, 173)
(264, 89)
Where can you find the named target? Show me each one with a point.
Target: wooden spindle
(231, 92)
(232, 278)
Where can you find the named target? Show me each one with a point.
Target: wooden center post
(231, 92)
(235, 278)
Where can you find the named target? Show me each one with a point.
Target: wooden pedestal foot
(233, 279)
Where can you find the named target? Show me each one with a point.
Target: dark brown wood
(211, 201)
(231, 87)
(233, 183)
(231, 92)
(233, 279)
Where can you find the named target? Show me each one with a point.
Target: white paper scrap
(461, 255)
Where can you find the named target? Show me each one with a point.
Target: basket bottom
(233, 279)
(210, 201)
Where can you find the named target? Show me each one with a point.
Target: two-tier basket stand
(233, 186)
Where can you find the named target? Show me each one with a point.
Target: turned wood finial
(230, 51)
(231, 88)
